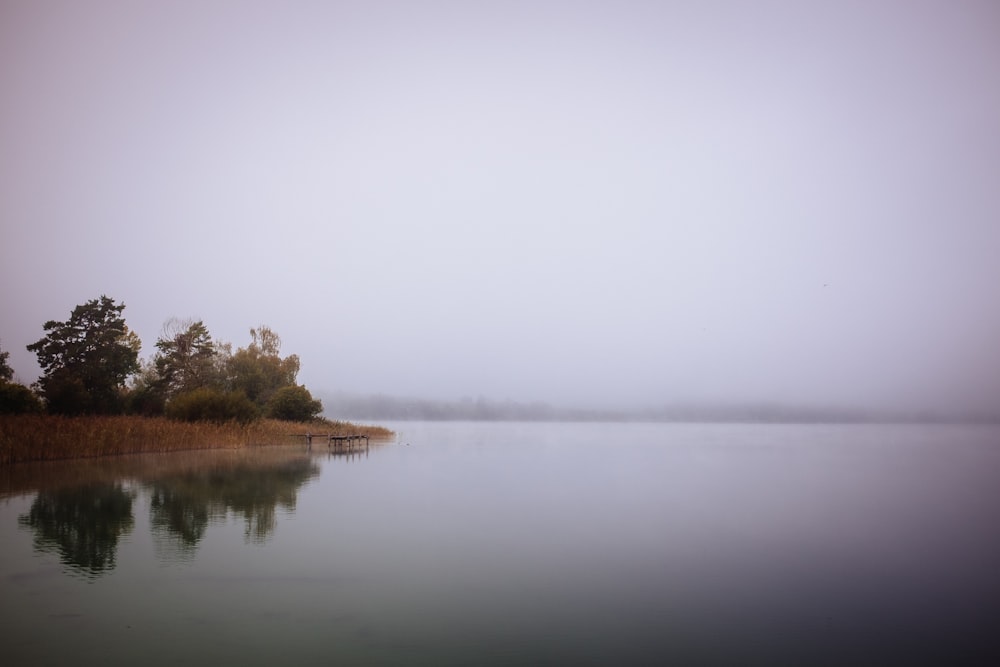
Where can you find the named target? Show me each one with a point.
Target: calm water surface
(482, 544)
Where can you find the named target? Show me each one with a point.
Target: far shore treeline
(91, 368)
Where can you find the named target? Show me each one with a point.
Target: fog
(623, 204)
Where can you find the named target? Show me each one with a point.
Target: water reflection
(177, 523)
(499, 544)
(82, 525)
(83, 522)
(347, 454)
(183, 504)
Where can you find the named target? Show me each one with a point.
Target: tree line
(91, 366)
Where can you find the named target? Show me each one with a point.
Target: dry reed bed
(48, 438)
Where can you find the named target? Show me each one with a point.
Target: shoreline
(52, 437)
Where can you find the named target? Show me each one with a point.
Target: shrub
(16, 399)
(147, 401)
(293, 403)
(212, 405)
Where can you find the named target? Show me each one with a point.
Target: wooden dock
(340, 441)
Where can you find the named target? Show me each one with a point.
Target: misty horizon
(344, 405)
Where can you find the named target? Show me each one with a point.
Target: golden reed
(49, 437)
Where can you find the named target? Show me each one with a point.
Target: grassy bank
(47, 438)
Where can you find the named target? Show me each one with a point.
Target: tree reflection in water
(82, 524)
(174, 517)
(182, 505)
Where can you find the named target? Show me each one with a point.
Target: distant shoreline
(380, 407)
(52, 437)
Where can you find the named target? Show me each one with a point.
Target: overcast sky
(579, 202)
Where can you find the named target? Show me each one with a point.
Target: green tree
(15, 398)
(293, 403)
(258, 369)
(6, 372)
(87, 359)
(145, 394)
(186, 357)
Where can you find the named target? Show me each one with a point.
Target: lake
(516, 543)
